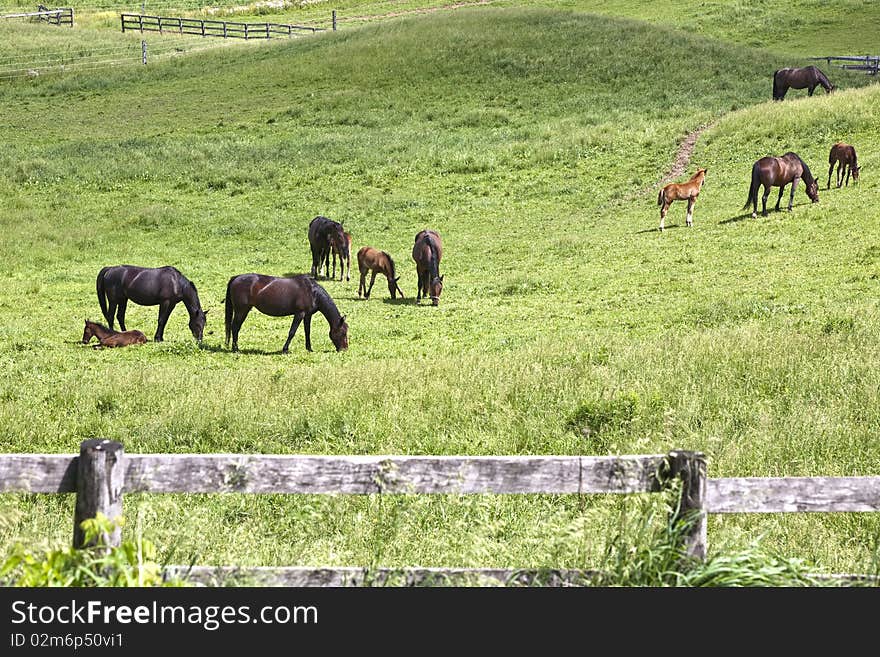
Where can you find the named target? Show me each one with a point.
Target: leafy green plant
(133, 563)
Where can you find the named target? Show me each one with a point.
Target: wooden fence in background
(102, 473)
(868, 63)
(211, 28)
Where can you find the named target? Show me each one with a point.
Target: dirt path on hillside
(683, 157)
(679, 166)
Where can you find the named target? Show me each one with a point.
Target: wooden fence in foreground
(212, 28)
(102, 473)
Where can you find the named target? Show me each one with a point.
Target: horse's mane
(325, 304)
(106, 328)
(823, 78)
(390, 262)
(808, 175)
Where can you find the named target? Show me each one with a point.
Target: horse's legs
(794, 184)
(120, 314)
(779, 198)
(812, 88)
(848, 168)
(663, 210)
(830, 169)
(422, 285)
(297, 318)
(111, 311)
(165, 309)
(764, 201)
(334, 265)
(347, 269)
(238, 318)
(307, 327)
(370, 289)
(690, 213)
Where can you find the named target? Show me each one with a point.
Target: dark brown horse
(324, 233)
(427, 252)
(299, 296)
(808, 77)
(843, 155)
(688, 191)
(107, 337)
(162, 286)
(377, 262)
(774, 171)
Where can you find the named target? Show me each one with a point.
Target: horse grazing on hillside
(162, 286)
(799, 78)
(324, 233)
(844, 156)
(427, 252)
(344, 257)
(107, 337)
(774, 171)
(377, 262)
(688, 191)
(299, 296)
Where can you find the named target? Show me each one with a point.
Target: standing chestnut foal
(679, 192)
(376, 261)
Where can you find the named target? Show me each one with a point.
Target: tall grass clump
(647, 550)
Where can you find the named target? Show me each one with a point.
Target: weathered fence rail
(58, 16)
(211, 28)
(102, 473)
(868, 63)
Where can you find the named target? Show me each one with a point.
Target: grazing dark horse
(107, 337)
(162, 286)
(774, 171)
(344, 257)
(799, 78)
(299, 296)
(427, 252)
(377, 262)
(843, 155)
(688, 191)
(324, 233)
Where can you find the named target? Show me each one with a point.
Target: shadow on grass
(399, 301)
(657, 230)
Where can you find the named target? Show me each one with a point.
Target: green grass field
(531, 138)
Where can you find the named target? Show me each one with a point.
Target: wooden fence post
(690, 467)
(100, 477)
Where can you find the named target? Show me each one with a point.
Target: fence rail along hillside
(58, 16)
(102, 473)
(212, 28)
(867, 63)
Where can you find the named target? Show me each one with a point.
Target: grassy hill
(531, 139)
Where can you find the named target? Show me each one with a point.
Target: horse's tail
(777, 85)
(435, 259)
(660, 198)
(228, 309)
(102, 295)
(753, 188)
